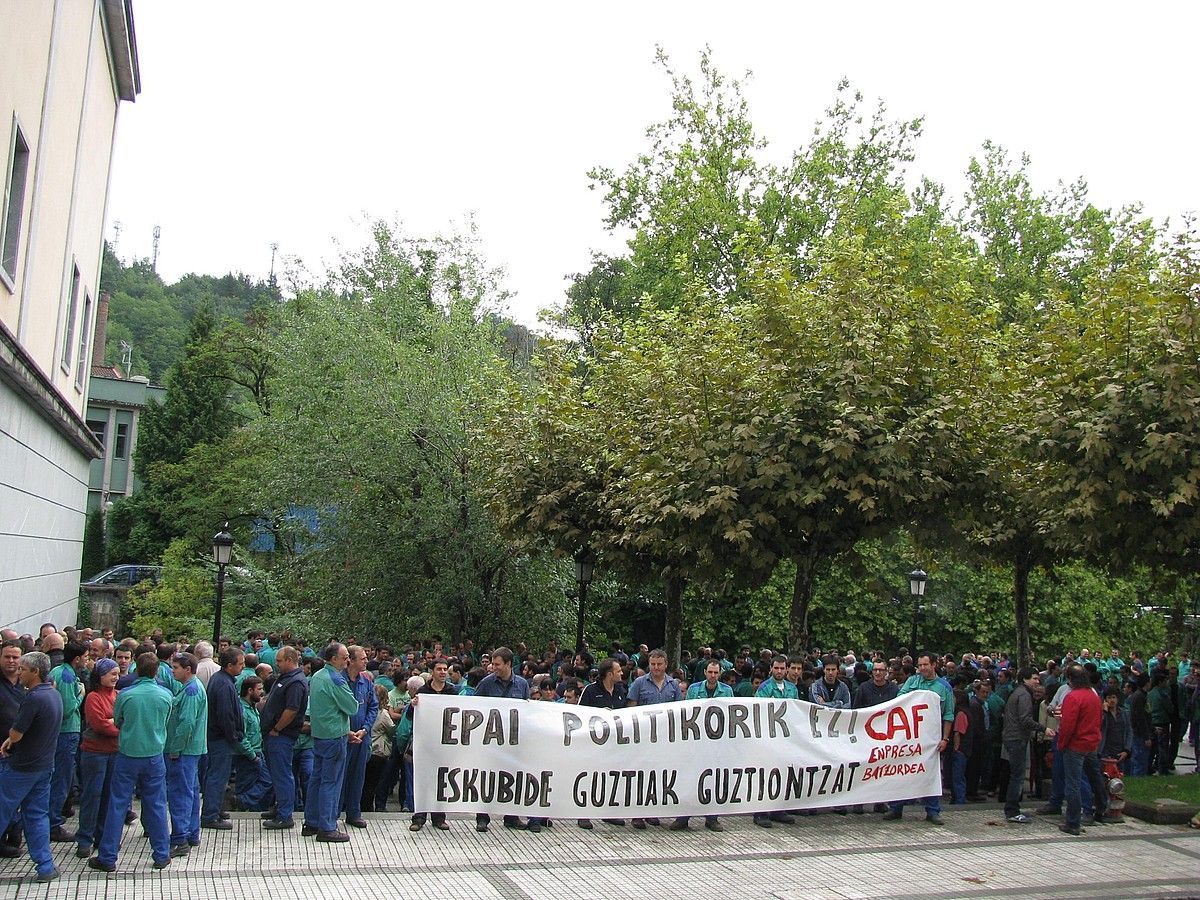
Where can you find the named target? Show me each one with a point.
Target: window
(16, 174)
(98, 428)
(69, 335)
(122, 441)
(81, 356)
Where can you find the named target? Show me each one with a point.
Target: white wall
(43, 490)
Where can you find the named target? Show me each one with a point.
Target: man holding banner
(653, 687)
(506, 684)
(708, 689)
(927, 679)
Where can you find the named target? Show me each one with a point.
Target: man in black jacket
(226, 728)
(1020, 726)
(282, 719)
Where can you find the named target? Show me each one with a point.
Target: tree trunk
(1021, 609)
(673, 639)
(799, 638)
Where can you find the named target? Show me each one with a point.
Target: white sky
(300, 122)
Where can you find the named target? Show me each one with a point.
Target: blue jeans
(958, 784)
(1058, 784)
(216, 779)
(1077, 767)
(95, 777)
(252, 783)
(302, 769)
(279, 764)
(64, 775)
(356, 773)
(408, 785)
(148, 776)
(183, 796)
(28, 793)
(325, 786)
(1139, 761)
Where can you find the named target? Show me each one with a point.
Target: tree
(93, 545)
(380, 378)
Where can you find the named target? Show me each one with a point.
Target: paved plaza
(828, 855)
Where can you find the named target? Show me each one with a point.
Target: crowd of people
(274, 726)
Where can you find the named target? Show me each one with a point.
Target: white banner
(715, 757)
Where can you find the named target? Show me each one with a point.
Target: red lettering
(898, 723)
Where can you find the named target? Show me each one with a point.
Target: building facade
(65, 68)
(114, 409)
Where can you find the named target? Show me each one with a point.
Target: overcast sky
(297, 123)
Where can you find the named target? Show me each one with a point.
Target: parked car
(126, 576)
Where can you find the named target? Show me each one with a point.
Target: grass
(1148, 788)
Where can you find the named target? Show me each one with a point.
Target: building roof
(118, 22)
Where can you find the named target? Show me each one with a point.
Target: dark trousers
(1076, 768)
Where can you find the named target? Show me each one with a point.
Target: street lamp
(584, 561)
(222, 551)
(916, 587)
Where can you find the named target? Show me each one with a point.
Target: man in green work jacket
(187, 741)
(330, 705)
(141, 714)
(68, 681)
(927, 679)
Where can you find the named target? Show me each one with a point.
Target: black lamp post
(222, 551)
(584, 560)
(916, 587)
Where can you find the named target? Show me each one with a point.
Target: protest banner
(698, 757)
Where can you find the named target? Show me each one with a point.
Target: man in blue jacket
(358, 749)
(504, 682)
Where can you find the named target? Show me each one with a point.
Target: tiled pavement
(828, 855)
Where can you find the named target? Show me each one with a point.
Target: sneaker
(934, 819)
(893, 814)
(60, 835)
(333, 837)
(1020, 819)
(94, 863)
(179, 850)
(218, 825)
(1048, 810)
(585, 824)
(309, 830)
(276, 824)
(1069, 829)
(47, 876)
(162, 863)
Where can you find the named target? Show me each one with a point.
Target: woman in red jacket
(98, 751)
